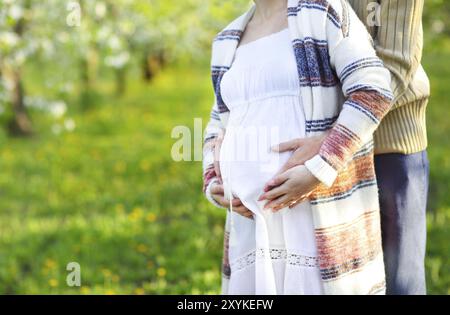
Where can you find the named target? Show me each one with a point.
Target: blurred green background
(89, 94)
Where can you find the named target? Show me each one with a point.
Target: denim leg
(403, 184)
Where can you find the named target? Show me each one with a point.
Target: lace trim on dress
(291, 258)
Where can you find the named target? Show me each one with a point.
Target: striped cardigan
(344, 87)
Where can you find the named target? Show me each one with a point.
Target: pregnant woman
(284, 70)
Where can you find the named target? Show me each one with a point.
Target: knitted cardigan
(344, 87)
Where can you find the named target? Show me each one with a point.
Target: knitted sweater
(403, 130)
(344, 87)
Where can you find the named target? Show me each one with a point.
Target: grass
(438, 250)
(109, 196)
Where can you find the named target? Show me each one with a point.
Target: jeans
(403, 184)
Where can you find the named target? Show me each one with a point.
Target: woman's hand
(217, 193)
(292, 186)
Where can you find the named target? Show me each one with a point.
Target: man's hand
(217, 193)
(304, 149)
(292, 186)
(287, 195)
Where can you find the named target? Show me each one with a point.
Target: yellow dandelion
(50, 263)
(141, 248)
(151, 217)
(139, 291)
(110, 292)
(85, 290)
(53, 282)
(138, 210)
(136, 214)
(161, 272)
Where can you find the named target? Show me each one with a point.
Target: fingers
(273, 193)
(236, 202)
(294, 203)
(276, 181)
(300, 200)
(243, 211)
(217, 192)
(299, 157)
(290, 145)
(217, 189)
(277, 204)
(218, 196)
(292, 162)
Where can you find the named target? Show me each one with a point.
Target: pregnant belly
(246, 160)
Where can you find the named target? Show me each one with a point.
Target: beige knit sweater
(399, 42)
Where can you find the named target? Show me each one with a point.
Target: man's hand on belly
(304, 149)
(292, 186)
(217, 192)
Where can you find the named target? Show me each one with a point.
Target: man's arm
(399, 41)
(399, 44)
(366, 86)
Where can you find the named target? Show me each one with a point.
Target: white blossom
(100, 9)
(9, 39)
(58, 109)
(15, 12)
(69, 124)
(118, 61)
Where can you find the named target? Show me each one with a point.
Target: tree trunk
(152, 64)
(88, 77)
(20, 123)
(121, 80)
(147, 73)
(89, 65)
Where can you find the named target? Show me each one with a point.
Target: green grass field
(108, 195)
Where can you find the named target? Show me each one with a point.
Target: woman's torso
(261, 89)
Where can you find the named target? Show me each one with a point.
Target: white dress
(275, 253)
